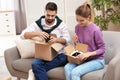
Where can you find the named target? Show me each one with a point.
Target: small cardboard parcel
(70, 48)
(44, 50)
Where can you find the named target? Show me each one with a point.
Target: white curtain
(20, 15)
(18, 7)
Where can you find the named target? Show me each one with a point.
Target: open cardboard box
(44, 50)
(47, 51)
(70, 48)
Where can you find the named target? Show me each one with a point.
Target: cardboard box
(70, 48)
(46, 51)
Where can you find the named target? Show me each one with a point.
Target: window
(6, 5)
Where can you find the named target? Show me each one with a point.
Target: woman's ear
(89, 18)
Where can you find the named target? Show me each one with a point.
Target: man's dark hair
(51, 6)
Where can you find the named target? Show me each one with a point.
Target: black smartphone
(75, 54)
(47, 39)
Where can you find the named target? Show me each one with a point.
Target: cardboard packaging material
(44, 50)
(70, 48)
(47, 51)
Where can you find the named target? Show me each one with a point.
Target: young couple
(86, 32)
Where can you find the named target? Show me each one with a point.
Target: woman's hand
(75, 38)
(83, 56)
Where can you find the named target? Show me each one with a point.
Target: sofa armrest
(11, 55)
(113, 69)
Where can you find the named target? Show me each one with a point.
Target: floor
(3, 68)
(5, 43)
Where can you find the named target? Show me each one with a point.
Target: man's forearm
(61, 40)
(29, 35)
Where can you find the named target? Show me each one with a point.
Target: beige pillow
(26, 48)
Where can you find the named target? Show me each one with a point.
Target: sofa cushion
(57, 73)
(95, 75)
(112, 43)
(23, 65)
(26, 48)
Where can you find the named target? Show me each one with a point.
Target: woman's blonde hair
(85, 11)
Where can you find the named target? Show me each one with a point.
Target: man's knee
(62, 57)
(36, 62)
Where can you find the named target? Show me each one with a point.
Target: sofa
(19, 67)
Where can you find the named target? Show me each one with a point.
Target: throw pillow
(26, 48)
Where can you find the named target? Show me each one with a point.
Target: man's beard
(50, 20)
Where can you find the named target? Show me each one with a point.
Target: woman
(86, 32)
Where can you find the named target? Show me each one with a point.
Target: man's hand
(43, 35)
(52, 39)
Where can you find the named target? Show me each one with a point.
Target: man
(47, 24)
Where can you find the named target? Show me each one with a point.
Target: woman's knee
(66, 67)
(76, 73)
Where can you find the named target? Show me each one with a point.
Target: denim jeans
(74, 71)
(40, 67)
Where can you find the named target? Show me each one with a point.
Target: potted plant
(110, 12)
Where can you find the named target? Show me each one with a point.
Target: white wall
(34, 9)
(66, 10)
(70, 7)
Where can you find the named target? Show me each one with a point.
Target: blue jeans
(40, 67)
(74, 71)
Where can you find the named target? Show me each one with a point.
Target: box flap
(38, 40)
(81, 47)
(68, 49)
(57, 46)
